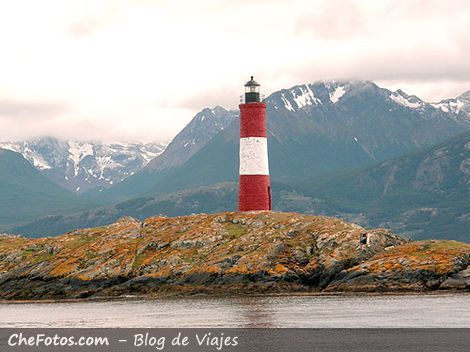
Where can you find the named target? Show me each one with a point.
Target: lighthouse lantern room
(252, 91)
(254, 192)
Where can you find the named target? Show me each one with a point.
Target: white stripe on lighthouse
(254, 156)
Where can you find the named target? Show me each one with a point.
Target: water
(451, 310)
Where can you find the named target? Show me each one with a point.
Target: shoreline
(232, 296)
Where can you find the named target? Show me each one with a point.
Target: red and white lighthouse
(254, 191)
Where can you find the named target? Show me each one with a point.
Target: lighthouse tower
(254, 191)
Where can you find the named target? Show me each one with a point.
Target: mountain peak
(465, 96)
(217, 112)
(318, 93)
(218, 109)
(456, 106)
(203, 126)
(410, 101)
(402, 93)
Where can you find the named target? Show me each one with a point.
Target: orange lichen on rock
(433, 255)
(245, 252)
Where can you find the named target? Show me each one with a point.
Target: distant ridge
(25, 194)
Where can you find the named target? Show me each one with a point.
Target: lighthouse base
(254, 193)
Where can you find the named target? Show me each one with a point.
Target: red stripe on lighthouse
(254, 193)
(253, 120)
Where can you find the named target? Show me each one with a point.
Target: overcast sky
(139, 70)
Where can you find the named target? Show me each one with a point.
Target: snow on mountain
(287, 103)
(337, 94)
(80, 166)
(457, 109)
(78, 151)
(305, 97)
(459, 106)
(33, 156)
(451, 105)
(404, 99)
(308, 96)
(359, 111)
(319, 94)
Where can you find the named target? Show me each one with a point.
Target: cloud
(27, 111)
(84, 27)
(25, 120)
(141, 69)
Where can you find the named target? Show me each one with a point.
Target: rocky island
(227, 253)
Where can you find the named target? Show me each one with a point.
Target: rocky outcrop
(417, 266)
(262, 252)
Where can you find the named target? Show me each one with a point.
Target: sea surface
(377, 311)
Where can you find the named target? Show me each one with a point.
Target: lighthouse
(254, 192)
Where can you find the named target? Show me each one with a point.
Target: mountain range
(313, 129)
(81, 166)
(318, 133)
